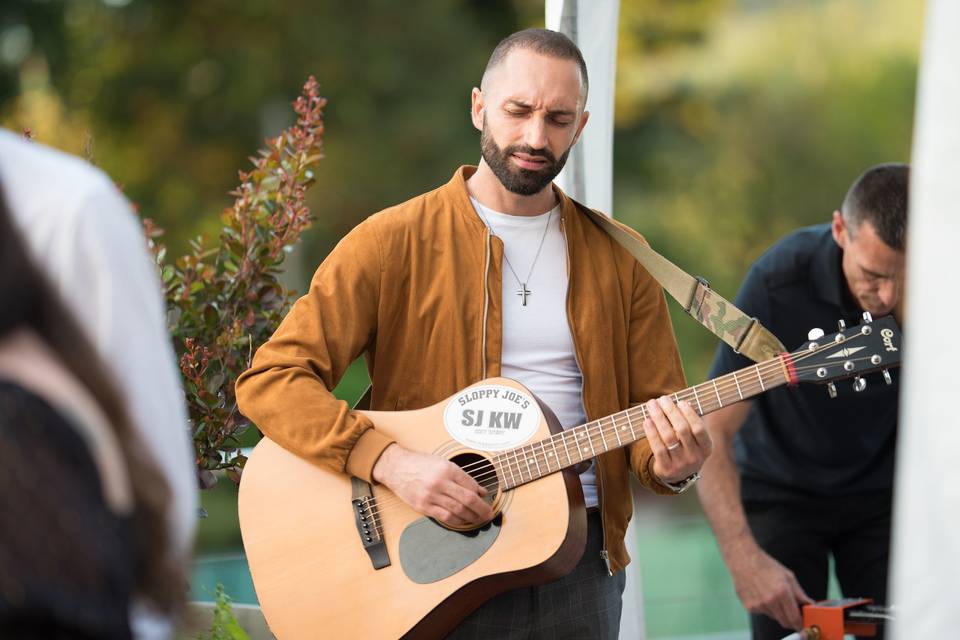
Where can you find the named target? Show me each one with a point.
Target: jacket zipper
(603, 551)
(486, 303)
(604, 555)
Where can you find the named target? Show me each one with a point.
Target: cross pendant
(523, 293)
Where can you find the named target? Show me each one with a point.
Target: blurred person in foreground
(799, 477)
(84, 527)
(84, 237)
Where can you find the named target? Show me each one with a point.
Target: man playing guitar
(496, 273)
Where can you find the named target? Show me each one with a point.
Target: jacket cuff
(365, 453)
(652, 482)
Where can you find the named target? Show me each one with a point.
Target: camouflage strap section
(746, 335)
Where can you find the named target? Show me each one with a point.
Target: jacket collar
(456, 189)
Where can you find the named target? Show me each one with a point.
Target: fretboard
(572, 446)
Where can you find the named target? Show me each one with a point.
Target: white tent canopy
(926, 553)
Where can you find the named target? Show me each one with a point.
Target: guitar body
(314, 577)
(333, 557)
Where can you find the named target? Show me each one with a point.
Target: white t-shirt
(84, 236)
(537, 345)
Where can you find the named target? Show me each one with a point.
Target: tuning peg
(841, 324)
(832, 389)
(815, 334)
(867, 317)
(886, 376)
(859, 384)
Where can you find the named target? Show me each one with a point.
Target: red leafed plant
(224, 299)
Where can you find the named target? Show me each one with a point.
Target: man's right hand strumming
(433, 486)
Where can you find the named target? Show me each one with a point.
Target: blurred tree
(174, 94)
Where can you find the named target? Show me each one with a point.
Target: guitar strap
(745, 335)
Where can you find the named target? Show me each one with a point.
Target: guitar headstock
(874, 345)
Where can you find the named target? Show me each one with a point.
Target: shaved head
(543, 42)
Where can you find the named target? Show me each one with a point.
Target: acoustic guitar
(332, 556)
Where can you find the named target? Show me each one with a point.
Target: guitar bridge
(367, 518)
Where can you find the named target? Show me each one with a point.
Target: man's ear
(476, 108)
(583, 123)
(841, 234)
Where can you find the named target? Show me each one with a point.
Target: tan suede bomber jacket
(416, 289)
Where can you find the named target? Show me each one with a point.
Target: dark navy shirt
(797, 442)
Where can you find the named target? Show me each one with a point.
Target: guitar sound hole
(481, 470)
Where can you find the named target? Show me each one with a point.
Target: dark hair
(543, 41)
(880, 197)
(30, 301)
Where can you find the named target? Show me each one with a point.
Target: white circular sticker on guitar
(491, 417)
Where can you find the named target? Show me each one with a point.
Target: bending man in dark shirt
(797, 476)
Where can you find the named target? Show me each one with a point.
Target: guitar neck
(570, 447)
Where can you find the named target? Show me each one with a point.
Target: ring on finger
(675, 445)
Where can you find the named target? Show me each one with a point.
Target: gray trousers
(585, 604)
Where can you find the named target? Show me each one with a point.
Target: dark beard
(523, 182)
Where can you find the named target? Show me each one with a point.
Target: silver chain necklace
(523, 292)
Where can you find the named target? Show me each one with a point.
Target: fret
(516, 459)
(590, 441)
(500, 469)
(760, 378)
(630, 424)
(513, 480)
(697, 398)
(553, 443)
(563, 441)
(546, 456)
(616, 431)
(737, 382)
(576, 447)
(717, 391)
(603, 435)
(535, 462)
(603, 439)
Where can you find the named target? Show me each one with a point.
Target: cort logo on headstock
(887, 335)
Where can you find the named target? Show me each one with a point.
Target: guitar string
(603, 432)
(376, 509)
(390, 504)
(516, 468)
(727, 383)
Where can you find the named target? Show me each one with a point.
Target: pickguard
(429, 552)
